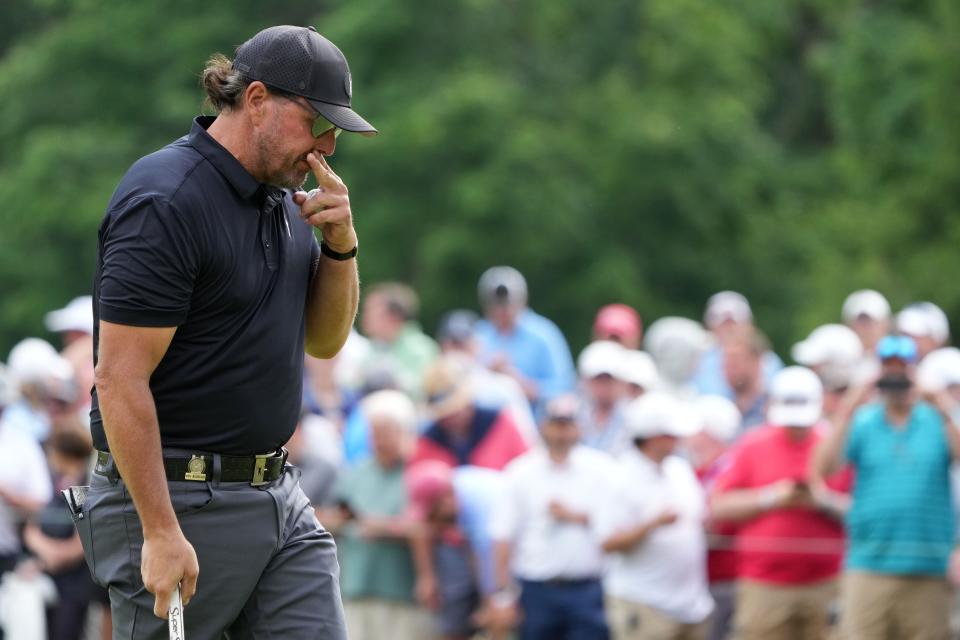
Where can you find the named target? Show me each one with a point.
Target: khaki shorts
(375, 619)
(634, 621)
(783, 612)
(898, 607)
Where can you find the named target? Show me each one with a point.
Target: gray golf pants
(267, 567)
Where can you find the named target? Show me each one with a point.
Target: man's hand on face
(328, 207)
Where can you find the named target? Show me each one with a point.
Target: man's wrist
(335, 254)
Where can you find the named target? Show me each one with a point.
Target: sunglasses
(320, 124)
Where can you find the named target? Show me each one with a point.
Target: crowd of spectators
(674, 481)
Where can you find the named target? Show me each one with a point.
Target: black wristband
(335, 255)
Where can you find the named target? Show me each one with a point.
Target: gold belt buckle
(259, 470)
(196, 469)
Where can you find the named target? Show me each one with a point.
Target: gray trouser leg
(243, 537)
(298, 596)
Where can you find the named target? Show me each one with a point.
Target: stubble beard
(287, 176)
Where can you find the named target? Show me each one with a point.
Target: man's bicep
(129, 351)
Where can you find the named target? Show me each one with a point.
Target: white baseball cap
(719, 417)
(601, 357)
(796, 398)
(924, 319)
(76, 316)
(865, 302)
(727, 305)
(639, 369)
(939, 369)
(34, 360)
(659, 414)
(829, 344)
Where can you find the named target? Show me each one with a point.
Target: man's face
(386, 441)
(284, 139)
(604, 389)
(503, 315)
(560, 434)
(741, 366)
(376, 321)
(869, 330)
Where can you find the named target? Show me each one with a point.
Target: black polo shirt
(191, 240)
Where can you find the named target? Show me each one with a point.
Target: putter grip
(175, 616)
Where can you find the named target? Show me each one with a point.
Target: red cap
(618, 320)
(427, 482)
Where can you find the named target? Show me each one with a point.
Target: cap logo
(348, 85)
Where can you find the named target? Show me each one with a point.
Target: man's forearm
(331, 306)
(133, 433)
(740, 504)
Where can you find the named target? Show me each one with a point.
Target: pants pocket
(76, 498)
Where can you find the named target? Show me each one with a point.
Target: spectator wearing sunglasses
(546, 549)
(900, 525)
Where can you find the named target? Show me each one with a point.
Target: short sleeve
(736, 474)
(149, 264)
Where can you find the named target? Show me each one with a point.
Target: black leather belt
(201, 467)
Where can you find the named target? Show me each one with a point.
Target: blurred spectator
(834, 352)
(600, 419)
(74, 323)
(318, 471)
(36, 371)
(743, 356)
(389, 320)
(53, 539)
(790, 540)
(24, 596)
(452, 547)
(719, 423)
(460, 432)
(544, 532)
(639, 373)
(377, 577)
(900, 525)
(356, 431)
(676, 346)
(322, 395)
(927, 324)
(656, 582)
(867, 312)
(618, 323)
(518, 342)
(728, 316)
(24, 486)
(456, 334)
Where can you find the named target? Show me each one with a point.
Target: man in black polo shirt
(210, 286)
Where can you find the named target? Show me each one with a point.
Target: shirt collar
(224, 161)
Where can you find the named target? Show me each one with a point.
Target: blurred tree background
(645, 151)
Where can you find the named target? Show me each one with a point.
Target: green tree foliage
(649, 152)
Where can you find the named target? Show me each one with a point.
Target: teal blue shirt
(901, 520)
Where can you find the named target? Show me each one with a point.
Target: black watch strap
(336, 255)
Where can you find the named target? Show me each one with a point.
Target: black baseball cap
(300, 61)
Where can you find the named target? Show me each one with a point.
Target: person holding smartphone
(790, 538)
(900, 525)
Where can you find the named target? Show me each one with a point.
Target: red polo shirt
(794, 546)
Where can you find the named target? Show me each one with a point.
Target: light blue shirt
(536, 347)
(711, 381)
(479, 491)
(901, 520)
